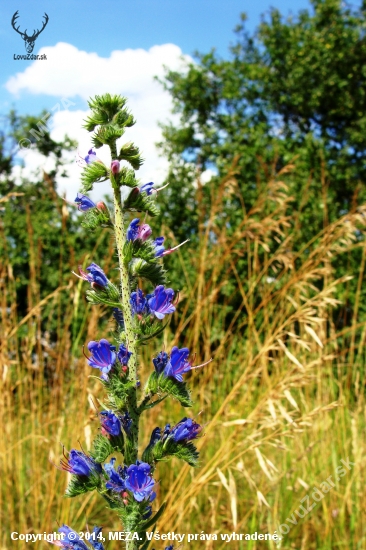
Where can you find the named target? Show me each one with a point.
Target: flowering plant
(129, 487)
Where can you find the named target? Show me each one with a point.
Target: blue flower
(123, 355)
(133, 229)
(91, 156)
(166, 431)
(160, 303)
(139, 303)
(79, 464)
(147, 188)
(111, 424)
(84, 203)
(103, 356)
(159, 247)
(170, 547)
(160, 362)
(71, 539)
(116, 479)
(186, 430)
(95, 277)
(94, 539)
(139, 482)
(178, 364)
(136, 231)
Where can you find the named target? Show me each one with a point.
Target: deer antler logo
(29, 41)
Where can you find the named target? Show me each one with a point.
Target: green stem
(120, 235)
(131, 446)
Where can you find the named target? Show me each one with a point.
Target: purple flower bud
(111, 424)
(118, 315)
(155, 436)
(84, 203)
(139, 482)
(103, 356)
(160, 303)
(144, 232)
(135, 231)
(139, 303)
(160, 362)
(115, 167)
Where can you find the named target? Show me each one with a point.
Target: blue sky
(116, 46)
(102, 27)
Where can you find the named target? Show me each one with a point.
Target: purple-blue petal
(84, 203)
(160, 304)
(133, 229)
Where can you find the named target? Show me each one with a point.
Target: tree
(40, 239)
(295, 87)
(292, 91)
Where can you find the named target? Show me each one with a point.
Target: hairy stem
(131, 447)
(120, 235)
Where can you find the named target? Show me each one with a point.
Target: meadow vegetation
(271, 286)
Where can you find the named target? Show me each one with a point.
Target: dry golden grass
(282, 402)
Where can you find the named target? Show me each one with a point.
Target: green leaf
(108, 296)
(185, 450)
(102, 448)
(151, 271)
(131, 154)
(93, 173)
(107, 135)
(147, 331)
(118, 389)
(151, 521)
(96, 217)
(144, 250)
(107, 106)
(127, 177)
(79, 485)
(141, 202)
(157, 384)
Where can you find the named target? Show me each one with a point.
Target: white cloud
(72, 73)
